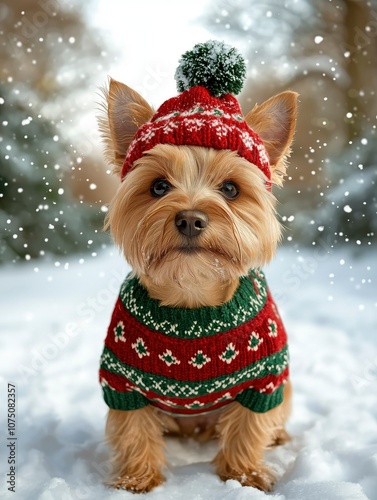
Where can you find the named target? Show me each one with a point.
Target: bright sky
(151, 36)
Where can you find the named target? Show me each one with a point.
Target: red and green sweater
(190, 361)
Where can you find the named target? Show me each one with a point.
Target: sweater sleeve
(261, 402)
(117, 400)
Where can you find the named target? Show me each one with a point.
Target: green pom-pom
(214, 65)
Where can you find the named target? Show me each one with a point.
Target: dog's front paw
(261, 478)
(141, 484)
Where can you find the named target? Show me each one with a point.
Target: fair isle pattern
(229, 354)
(204, 112)
(248, 301)
(254, 341)
(272, 328)
(168, 358)
(196, 118)
(119, 332)
(140, 348)
(188, 361)
(164, 386)
(194, 126)
(199, 360)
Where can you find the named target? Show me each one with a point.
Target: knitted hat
(206, 113)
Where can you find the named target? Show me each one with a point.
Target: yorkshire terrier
(196, 346)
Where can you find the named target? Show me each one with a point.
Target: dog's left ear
(275, 122)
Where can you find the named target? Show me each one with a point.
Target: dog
(196, 346)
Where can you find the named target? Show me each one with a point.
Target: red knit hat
(205, 113)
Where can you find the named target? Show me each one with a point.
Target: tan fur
(202, 428)
(241, 234)
(136, 440)
(123, 112)
(267, 120)
(244, 436)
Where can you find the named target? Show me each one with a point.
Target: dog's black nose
(191, 222)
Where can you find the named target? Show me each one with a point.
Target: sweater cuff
(124, 400)
(261, 402)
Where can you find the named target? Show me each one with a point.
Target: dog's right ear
(124, 111)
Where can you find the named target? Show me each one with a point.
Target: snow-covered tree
(50, 59)
(38, 214)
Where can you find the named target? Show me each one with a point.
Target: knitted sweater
(190, 361)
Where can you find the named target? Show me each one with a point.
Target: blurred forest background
(54, 185)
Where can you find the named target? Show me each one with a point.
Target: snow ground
(53, 324)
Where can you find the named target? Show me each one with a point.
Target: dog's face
(186, 212)
(193, 214)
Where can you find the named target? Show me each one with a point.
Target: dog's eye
(230, 190)
(160, 187)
